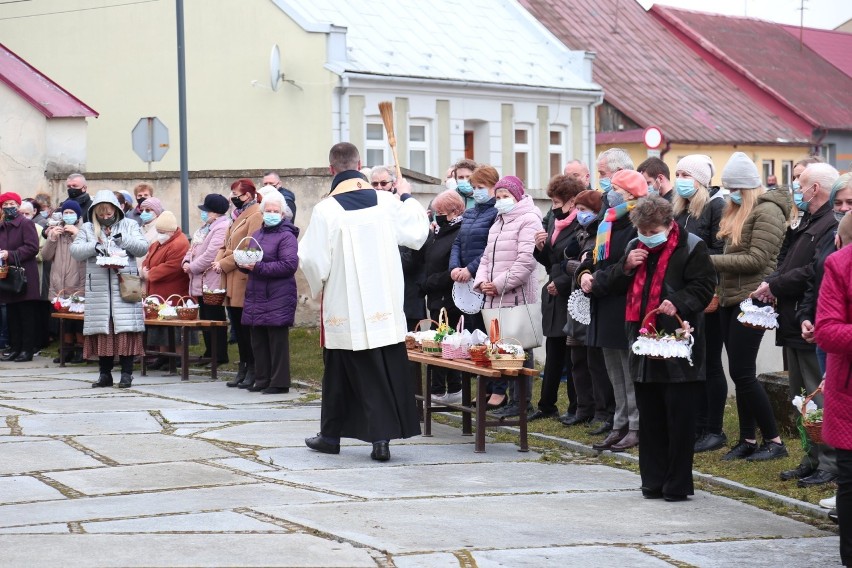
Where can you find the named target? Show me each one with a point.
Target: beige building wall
(123, 62)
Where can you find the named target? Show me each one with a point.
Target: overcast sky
(826, 14)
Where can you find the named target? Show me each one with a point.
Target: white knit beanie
(740, 173)
(699, 166)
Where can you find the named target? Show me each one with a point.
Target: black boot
(241, 374)
(104, 380)
(126, 380)
(249, 380)
(78, 356)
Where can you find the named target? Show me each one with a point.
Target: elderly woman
(270, 299)
(506, 274)
(67, 273)
(248, 219)
(668, 270)
(149, 209)
(111, 326)
(198, 264)
(448, 206)
(552, 247)
(31, 210)
(19, 242)
(162, 273)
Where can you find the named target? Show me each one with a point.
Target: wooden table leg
(467, 417)
(61, 342)
(172, 349)
(145, 352)
(479, 445)
(522, 387)
(184, 353)
(417, 377)
(427, 408)
(214, 356)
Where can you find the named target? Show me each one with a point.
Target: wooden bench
(469, 372)
(185, 327)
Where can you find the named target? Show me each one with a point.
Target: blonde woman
(753, 226)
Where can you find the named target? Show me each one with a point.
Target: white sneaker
(439, 398)
(829, 502)
(453, 398)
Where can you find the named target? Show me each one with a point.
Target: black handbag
(16, 280)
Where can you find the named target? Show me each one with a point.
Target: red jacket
(165, 275)
(833, 332)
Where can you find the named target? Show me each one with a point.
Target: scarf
(559, 225)
(455, 221)
(634, 294)
(246, 205)
(605, 228)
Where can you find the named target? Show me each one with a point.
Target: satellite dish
(274, 67)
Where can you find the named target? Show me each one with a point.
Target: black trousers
(271, 347)
(243, 334)
(582, 380)
(23, 325)
(742, 344)
(557, 358)
(667, 435)
(219, 334)
(844, 504)
(711, 407)
(601, 385)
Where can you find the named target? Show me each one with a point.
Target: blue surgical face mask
(614, 199)
(146, 216)
(606, 184)
(204, 217)
(685, 187)
(799, 201)
(463, 186)
(652, 190)
(480, 195)
(796, 185)
(736, 197)
(654, 240)
(504, 205)
(271, 219)
(585, 217)
(69, 218)
(43, 213)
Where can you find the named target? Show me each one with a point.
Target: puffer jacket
(554, 309)
(19, 236)
(165, 276)
(438, 284)
(270, 298)
(508, 260)
(743, 267)
(473, 236)
(200, 257)
(66, 272)
(103, 300)
(232, 279)
(706, 226)
(833, 333)
(795, 269)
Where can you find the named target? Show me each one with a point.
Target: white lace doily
(764, 316)
(667, 347)
(580, 307)
(466, 299)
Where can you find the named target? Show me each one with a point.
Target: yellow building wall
(122, 61)
(721, 154)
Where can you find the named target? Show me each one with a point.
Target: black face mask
(10, 213)
(74, 192)
(109, 221)
(238, 203)
(559, 214)
(441, 220)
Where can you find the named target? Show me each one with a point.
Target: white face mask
(504, 205)
(162, 238)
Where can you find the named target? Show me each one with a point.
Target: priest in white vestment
(349, 255)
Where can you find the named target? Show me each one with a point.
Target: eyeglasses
(381, 183)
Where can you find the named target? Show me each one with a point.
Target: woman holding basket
(198, 264)
(668, 279)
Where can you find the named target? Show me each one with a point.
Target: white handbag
(519, 322)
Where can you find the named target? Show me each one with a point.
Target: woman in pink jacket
(506, 274)
(833, 333)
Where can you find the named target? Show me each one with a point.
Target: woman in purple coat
(270, 301)
(19, 246)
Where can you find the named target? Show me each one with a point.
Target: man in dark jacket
(658, 176)
(787, 286)
(272, 178)
(78, 191)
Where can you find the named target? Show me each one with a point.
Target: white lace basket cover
(665, 347)
(466, 299)
(580, 307)
(757, 316)
(246, 256)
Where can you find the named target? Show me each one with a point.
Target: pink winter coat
(833, 333)
(508, 259)
(201, 255)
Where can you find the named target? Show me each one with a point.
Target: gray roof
(480, 41)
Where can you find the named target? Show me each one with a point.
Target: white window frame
(561, 149)
(786, 173)
(768, 167)
(376, 144)
(424, 146)
(528, 149)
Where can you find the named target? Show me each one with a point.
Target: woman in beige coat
(248, 219)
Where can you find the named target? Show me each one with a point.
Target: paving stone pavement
(197, 474)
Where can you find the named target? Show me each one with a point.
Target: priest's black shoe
(319, 444)
(104, 380)
(258, 386)
(819, 477)
(541, 414)
(24, 356)
(652, 493)
(799, 472)
(674, 498)
(381, 451)
(10, 356)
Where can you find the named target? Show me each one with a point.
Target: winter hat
(153, 203)
(740, 173)
(73, 206)
(511, 184)
(10, 196)
(630, 181)
(215, 203)
(699, 166)
(127, 197)
(166, 222)
(589, 198)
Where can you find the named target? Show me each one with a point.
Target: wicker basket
(184, 312)
(814, 429)
(713, 305)
(59, 301)
(506, 361)
(209, 297)
(683, 346)
(460, 352)
(432, 346)
(152, 308)
(747, 305)
(479, 355)
(246, 256)
(4, 271)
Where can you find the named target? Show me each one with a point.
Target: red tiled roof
(764, 54)
(36, 88)
(620, 137)
(834, 46)
(654, 79)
